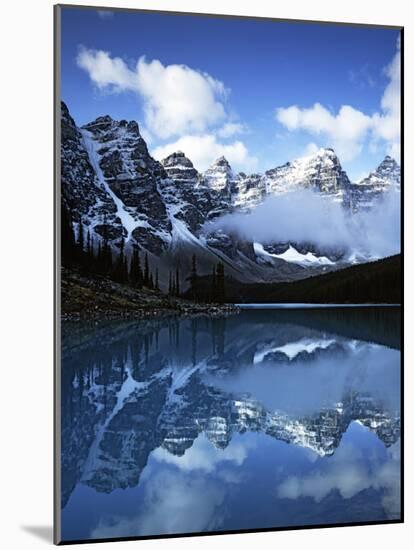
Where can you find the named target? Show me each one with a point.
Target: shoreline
(193, 310)
(310, 305)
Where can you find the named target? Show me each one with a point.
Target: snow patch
(293, 256)
(127, 220)
(292, 349)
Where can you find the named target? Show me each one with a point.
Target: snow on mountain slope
(220, 181)
(248, 191)
(321, 171)
(183, 191)
(292, 349)
(384, 179)
(292, 255)
(128, 221)
(82, 192)
(386, 174)
(110, 179)
(132, 175)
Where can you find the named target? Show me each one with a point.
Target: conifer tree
(157, 283)
(170, 284)
(106, 249)
(146, 270)
(135, 272)
(177, 282)
(98, 258)
(67, 238)
(119, 273)
(80, 243)
(125, 271)
(220, 292)
(213, 290)
(89, 251)
(194, 277)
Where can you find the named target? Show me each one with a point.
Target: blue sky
(259, 92)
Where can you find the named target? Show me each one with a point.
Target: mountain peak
(102, 123)
(388, 160)
(325, 152)
(387, 172)
(177, 159)
(64, 108)
(221, 161)
(219, 176)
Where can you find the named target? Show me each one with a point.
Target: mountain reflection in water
(269, 418)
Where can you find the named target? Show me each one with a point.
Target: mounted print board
(228, 274)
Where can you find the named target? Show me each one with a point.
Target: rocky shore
(86, 297)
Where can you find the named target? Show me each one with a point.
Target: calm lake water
(265, 419)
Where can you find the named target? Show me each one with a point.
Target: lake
(265, 419)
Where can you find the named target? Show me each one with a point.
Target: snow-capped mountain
(112, 185)
(321, 171)
(82, 192)
(385, 178)
(220, 180)
(388, 173)
(131, 178)
(248, 191)
(184, 192)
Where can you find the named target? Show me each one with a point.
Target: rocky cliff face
(184, 192)
(387, 174)
(82, 191)
(384, 179)
(219, 178)
(111, 183)
(321, 172)
(131, 177)
(248, 191)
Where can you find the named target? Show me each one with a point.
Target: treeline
(97, 257)
(372, 282)
(215, 292)
(93, 258)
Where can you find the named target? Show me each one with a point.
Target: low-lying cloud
(316, 381)
(307, 217)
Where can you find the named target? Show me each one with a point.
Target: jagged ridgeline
(126, 215)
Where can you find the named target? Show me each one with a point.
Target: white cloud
(204, 149)
(366, 367)
(345, 131)
(106, 72)
(173, 503)
(349, 128)
(311, 149)
(177, 99)
(325, 224)
(230, 129)
(202, 455)
(386, 125)
(347, 473)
